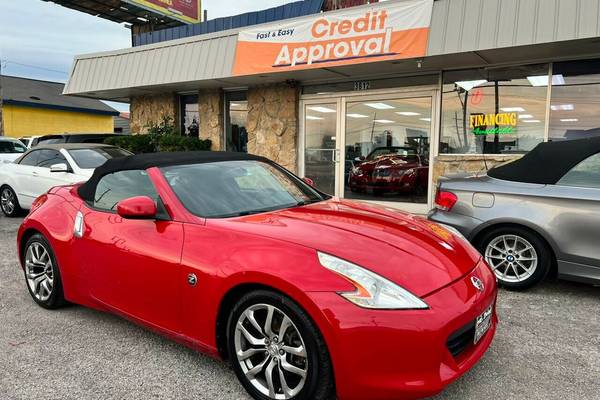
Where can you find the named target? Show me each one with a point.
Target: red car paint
(390, 173)
(138, 269)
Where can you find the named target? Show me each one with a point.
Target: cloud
(39, 39)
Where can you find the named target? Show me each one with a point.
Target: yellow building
(32, 107)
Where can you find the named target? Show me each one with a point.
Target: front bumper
(385, 354)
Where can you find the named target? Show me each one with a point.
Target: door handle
(34, 173)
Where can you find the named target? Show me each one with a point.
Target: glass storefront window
(575, 99)
(236, 108)
(190, 117)
(494, 111)
(387, 149)
(320, 127)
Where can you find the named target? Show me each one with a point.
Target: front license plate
(482, 325)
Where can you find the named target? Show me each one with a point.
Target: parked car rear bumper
(463, 223)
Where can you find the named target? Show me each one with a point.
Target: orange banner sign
(383, 31)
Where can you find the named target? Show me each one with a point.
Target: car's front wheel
(9, 203)
(42, 274)
(276, 350)
(520, 259)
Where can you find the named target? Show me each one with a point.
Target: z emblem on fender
(477, 283)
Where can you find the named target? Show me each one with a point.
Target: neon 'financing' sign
(493, 124)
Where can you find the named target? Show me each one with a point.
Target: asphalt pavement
(547, 347)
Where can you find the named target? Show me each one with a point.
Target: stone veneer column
(212, 118)
(152, 109)
(447, 164)
(273, 123)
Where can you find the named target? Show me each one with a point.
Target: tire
(301, 331)
(42, 274)
(9, 202)
(525, 261)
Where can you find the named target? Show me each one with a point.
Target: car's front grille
(461, 339)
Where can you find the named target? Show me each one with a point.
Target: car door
(134, 265)
(44, 177)
(22, 178)
(576, 223)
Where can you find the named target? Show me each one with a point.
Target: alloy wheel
(7, 201)
(39, 271)
(512, 258)
(271, 351)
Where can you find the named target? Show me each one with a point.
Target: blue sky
(39, 39)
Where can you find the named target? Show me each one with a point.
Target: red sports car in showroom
(308, 296)
(390, 170)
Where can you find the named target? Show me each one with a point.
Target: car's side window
(585, 174)
(122, 185)
(48, 158)
(31, 158)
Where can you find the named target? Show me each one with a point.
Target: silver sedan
(533, 217)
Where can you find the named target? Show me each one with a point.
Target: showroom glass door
(371, 146)
(320, 143)
(386, 147)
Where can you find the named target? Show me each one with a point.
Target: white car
(46, 166)
(30, 141)
(11, 149)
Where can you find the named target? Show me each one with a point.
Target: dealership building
(444, 86)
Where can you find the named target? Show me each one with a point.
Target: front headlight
(372, 290)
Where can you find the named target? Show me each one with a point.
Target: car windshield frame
(312, 195)
(98, 150)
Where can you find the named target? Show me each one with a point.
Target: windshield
(235, 188)
(7, 146)
(93, 158)
(386, 151)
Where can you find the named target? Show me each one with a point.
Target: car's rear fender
(515, 222)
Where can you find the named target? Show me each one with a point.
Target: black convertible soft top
(548, 162)
(145, 161)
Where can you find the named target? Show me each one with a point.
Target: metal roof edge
(59, 108)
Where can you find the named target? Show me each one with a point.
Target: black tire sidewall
(18, 210)
(319, 379)
(541, 248)
(56, 299)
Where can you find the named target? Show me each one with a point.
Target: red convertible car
(390, 170)
(308, 296)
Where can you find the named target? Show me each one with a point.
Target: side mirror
(140, 207)
(62, 167)
(309, 181)
(359, 159)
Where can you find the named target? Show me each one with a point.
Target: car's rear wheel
(42, 274)
(9, 203)
(520, 259)
(276, 350)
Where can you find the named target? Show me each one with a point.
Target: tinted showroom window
(574, 111)
(586, 174)
(121, 185)
(494, 111)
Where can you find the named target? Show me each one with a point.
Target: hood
(415, 253)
